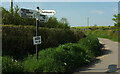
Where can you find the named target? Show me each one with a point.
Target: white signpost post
(40, 15)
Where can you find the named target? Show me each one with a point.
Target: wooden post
(12, 11)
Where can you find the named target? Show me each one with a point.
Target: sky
(99, 13)
(61, 0)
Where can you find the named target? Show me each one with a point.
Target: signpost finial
(38, 7)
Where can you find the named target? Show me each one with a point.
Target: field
(110, 32)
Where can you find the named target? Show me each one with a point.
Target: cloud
(97, 12)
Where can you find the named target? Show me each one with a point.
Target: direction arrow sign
(27, 13)
(43, 18)
(38, 14)
(48, 12)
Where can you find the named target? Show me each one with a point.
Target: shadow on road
(111, 68)
(105, 51)
(86, 68)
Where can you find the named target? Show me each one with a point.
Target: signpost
(40, 15)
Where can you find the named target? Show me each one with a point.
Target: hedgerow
(18, 40)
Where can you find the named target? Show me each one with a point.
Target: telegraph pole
(11, 4)
(12, 7)
(87, 21)
(12, 11)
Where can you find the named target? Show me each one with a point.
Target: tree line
(9, 17)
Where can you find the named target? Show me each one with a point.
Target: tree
(116, 19)
(5, 16)
(64, 21)
(52, 22)
(16, 17)
(95, 25)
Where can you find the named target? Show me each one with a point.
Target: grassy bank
(113, 34)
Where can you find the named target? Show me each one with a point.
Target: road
(108, 62)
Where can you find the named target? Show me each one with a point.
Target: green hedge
(64, 58)
(18, 40)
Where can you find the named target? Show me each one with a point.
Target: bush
(19, 39)
(11, 65)
(73, 55)
(46, 63)
(64, 58)
(92, 44)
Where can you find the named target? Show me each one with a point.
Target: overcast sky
(100, 13)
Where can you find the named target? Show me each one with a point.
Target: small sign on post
(37, 40)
